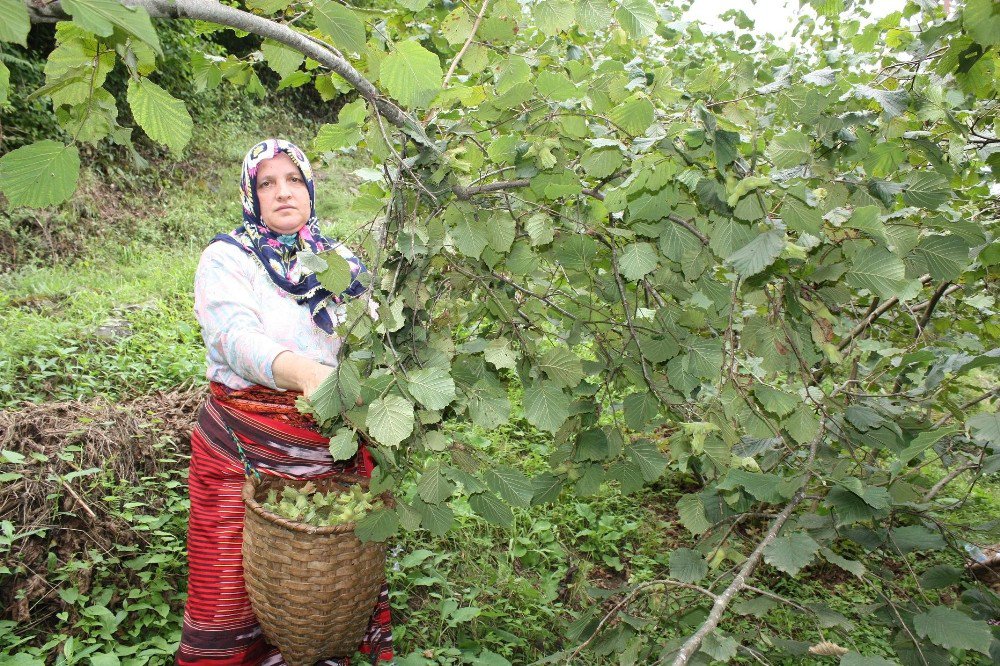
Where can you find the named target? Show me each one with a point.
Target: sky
(774, 16)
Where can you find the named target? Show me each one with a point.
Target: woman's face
(283, 195)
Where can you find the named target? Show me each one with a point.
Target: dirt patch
(51, 452)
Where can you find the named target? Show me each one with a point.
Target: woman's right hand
(298, 373)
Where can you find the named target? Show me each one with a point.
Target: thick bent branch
(740, 582)
(215, 12)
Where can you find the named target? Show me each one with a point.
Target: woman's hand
(298, 373)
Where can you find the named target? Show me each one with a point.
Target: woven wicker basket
(313, 589)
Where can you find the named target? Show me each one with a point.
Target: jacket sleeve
(230, 315)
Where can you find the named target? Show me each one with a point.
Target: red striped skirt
(219, 625)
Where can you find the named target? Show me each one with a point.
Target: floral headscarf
(277, 253)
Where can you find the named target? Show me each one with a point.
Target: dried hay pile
(127, 441)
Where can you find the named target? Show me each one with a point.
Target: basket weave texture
(313, 589)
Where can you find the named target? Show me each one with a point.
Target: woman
(269, 327)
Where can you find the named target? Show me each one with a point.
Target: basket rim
(249, 491)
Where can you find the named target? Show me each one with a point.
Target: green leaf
(924, 441)
(488, 406)
(637, 18)
(500, 354)
(637, 260)
(914, 538)
(432, 387)
(513, 486)
(763, 486)
(789, 150)
(687, 566)
(163, 117)
(411, 74)
(982, 19)
(104, 659)
(433, 487)
(282, 59)
(546, 406)
(635, 115)
(850, 566)
(4, 83)
(554, 16)
(378, 525)
(649, 458)
(102, 16)
(926, 189)
(758, 254)
(791, 553)
(593, 15)
(691, 511)
(15, 23)
(601, 162)
(986, 427)
(43, 173)
(390, 419)
(341, 24)
(946, 257)
(802, 425)
(344, 444)
(775, 400)
(799, 216)
(877, 270)
(639, 409)
(435, 518)
(866, 219)
(952, 629)
(500, 231)
(539, 228)
(492, 509)
(562, 366)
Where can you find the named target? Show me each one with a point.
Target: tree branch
(215, 12)
(740, 582)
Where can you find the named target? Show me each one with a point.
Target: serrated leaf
(433, 487)
(763, 486)
(344, 444)
(435, 518)
(539, 228)
(335, 273)
(637, 260)
(282, 59)
(513, 486)
(601, 162)
(924, 441)
(691, 511)
(791, 553)
(545, 488)
(593, 15)
(546, 406)
(789, 150)
(102, 16)
(553, 16)
(775, 400)
(487, 505)
(986, 427)
(500, 354)
(43, 173)
(877, 270)
(562, 367)
(390, 419)
(635, 115)
(758, 254)
(687, 566)
(411, 74)
(488, 406)
(432, 387)
(850, 566)
(500, 231)
(341, 24)
(162, 117)
(4, 84)
(913, 538)
(649, 458)
(866, 219)
(640, 408)
(952, 629)
(946, 257)
(799, 216)
(982, 19)
(893, 102)
(637, 18)
(15, 23)
(802, 425)
(926, 189)
(378, 525)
